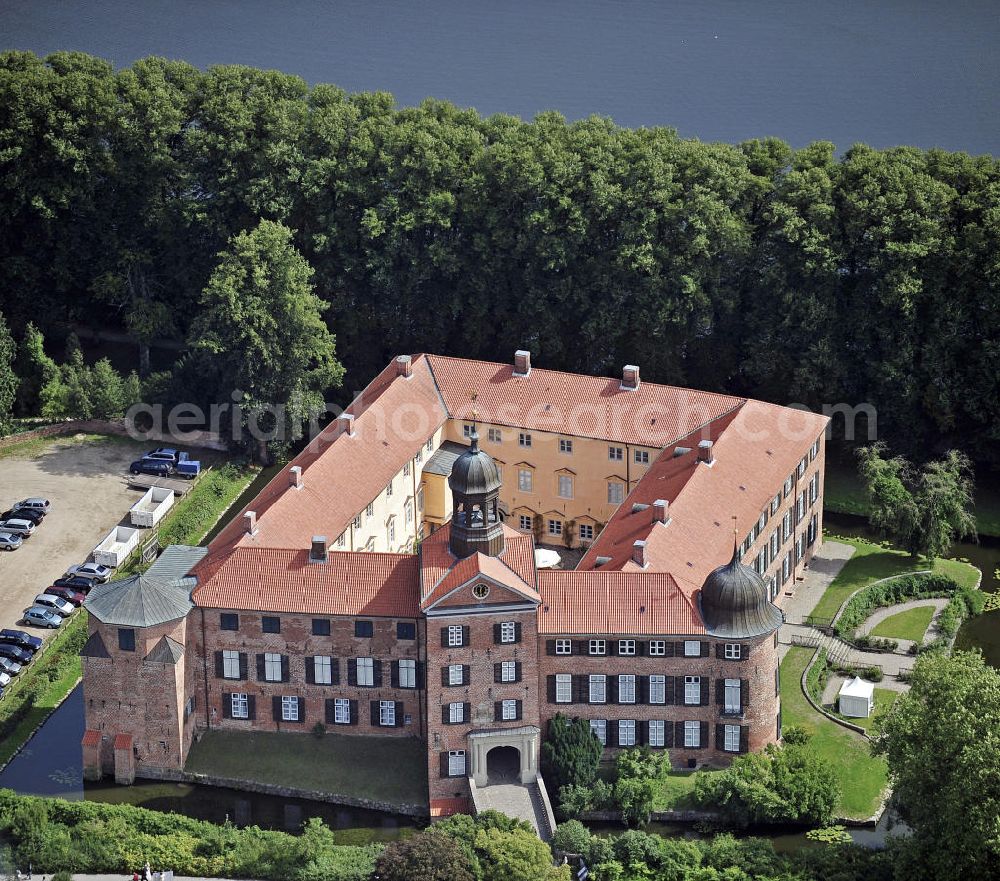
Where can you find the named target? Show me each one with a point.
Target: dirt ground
(85, 481)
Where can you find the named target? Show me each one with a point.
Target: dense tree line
(787, 275)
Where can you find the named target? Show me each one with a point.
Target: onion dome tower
(735, 603)
(475, 492)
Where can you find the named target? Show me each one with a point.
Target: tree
(8, 379)
(570, 754)
(921, 511)
(263, 324)
(518, 855)
(944, 760)
(35, 369)
(431, 855)
(640, 774)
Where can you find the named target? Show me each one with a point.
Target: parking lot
(85, 481)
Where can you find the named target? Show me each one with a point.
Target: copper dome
(735, 603)
(474, 473)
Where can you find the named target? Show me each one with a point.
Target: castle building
(387, 582)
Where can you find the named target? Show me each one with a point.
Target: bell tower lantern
(475, 491)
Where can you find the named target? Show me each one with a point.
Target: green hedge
(198, 512)
(80, 836)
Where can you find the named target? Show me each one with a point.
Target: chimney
(250, 519)
(639, 553)
(660, 510)
(295, 476)
(705, 453)
(522, 362)
(630, 378)
(346, 423)
(404, 365)
(317, 552)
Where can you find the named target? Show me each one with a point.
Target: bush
(570, 754)
(875, 643)
(430, 856)
(794, 735)
(572, 837)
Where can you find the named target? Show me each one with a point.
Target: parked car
(31, 514)
(4, 679)
(164, 454)
(20, 638)
(64, 593)
(155, 467)
(9, 666)
(10, 542)
(36, 504)
(75, 582)
(39, 616)
(93, 571)
(16, 653)
(23, 528)
(57, 604)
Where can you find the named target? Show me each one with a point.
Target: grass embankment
(33, 447)
(862, 776)
(844, 493)
(389, 769)
(195, 514)
(911, 624)
(872, 562)
(676, 791)
(884, 699)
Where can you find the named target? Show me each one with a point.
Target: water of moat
(50, 762)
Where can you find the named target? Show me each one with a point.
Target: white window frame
(508, 710)
(657, 688)
(407, 673)
(272, 667)
(733, 696)
(524, 439)
(597, 647)
(508, 671)
(239, 706)
(230, 664)
(597, 688)
(733, 651)
(657, 732)
(599, 727)
(657, 648)
(455, 636)
(466, 430)
(586, 532)
(370, 510)
(626, 688)
(789, 483)
(524, 480)
(616, 454)
(626, 646)
(430, 445)
(731, 739)
(341, 711)
(640, 457)
(495, 435)
(387, 714)
(564, 688)
(565, 486)
(323, 670)
(692, 648)
(289, 708)
(566, 446)
(555, 527)
(391, 530)
(456, 674)
(508, 631)
(616, 492)
(364, 669)
(776, 503)
(626, 732)
(456, 763)
(456, 712)
(564, 646)
(527, 522)
(408, 512)
(692, 734)
(692, 689)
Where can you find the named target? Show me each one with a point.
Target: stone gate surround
(525, 740)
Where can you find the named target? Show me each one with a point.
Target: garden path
(879, 615)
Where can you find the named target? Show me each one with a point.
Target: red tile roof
(755, 450)
(445, 807)
(341, 474)
(597, 602)
(123, 741)
(283, 580)
(575, 404)
(90, 738)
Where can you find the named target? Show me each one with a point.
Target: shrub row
(898, 590)
(203, 506)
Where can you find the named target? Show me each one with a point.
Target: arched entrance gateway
(503, 765)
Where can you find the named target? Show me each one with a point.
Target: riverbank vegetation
(750, 268)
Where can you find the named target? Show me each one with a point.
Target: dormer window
(318, 549)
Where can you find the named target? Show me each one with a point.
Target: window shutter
(394, 674)
(496, 634)
(720, 650)
(550, 647)
(517, 631)
(353, 708)
(581, 646)
(705, 687)
(703, 735)
(260, 668)
(668, 735)
(579, 689)
(643, 695)
(744, 693)
(444, 762)
(244, 672)
(444, 715)
(420, 675)
(399, 714)
(285, 673)
(720, 692)
(497, 711)
(227, 706)
(574, 647)
(679, 649)
(517, 709)
(276, 708)
(465, 634)
(218, 665)
(444, 676)
(745, 649)
(704, 648)
(679, 688)
(373, 710)
(302, 709)
(720, 737)
(466, 712)
(668, 649)
(612, 645)
(640, 647)
(444, 637)
(377, 674)
(612, 731)
(331, 712)
(612, 687)
(497, 672)
(335, 671)
(465, 674)
(251, 707)
(517, 671)
(668, 690)
(550, 688)
(352, 671)
(640, 733)
(678, 734)
(310, 670)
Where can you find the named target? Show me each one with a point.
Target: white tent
(857, 698)
(546, 559)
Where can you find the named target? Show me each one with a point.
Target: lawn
(911, 624)
(391, 769)
(884, 699)
(863, 777)
(872, 562)
(675, 793)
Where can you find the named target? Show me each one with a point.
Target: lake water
(889, 72)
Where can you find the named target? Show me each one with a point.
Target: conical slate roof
(140, 601)
(735, 603)
(474, 472)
